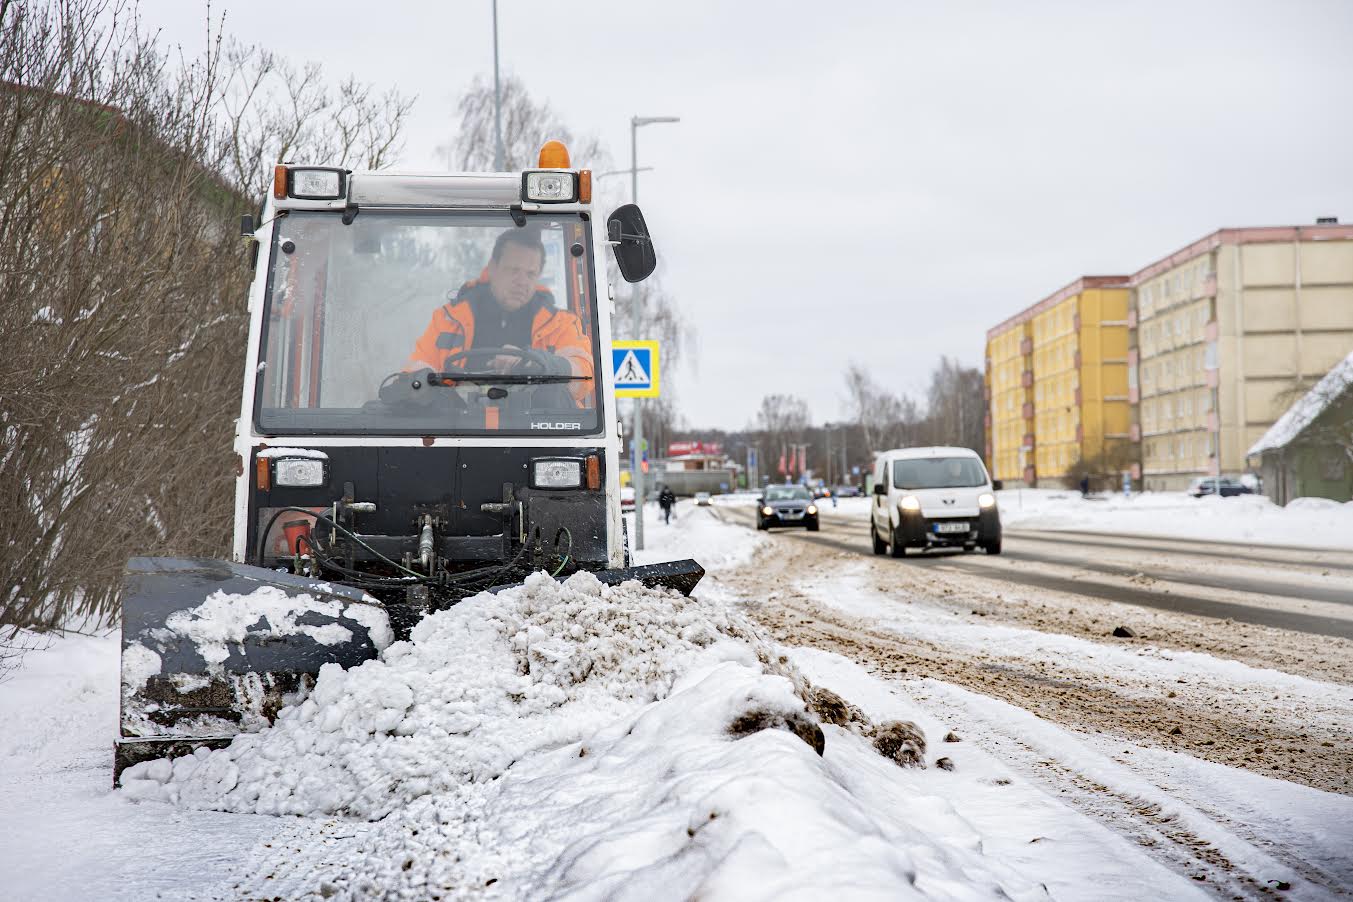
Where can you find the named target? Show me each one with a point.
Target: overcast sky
(881, 182)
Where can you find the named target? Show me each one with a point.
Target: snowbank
(1305, 522)
(587, 740)
(697, 532)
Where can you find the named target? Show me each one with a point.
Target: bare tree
(276, 111)
(956, 409)
(527, 124)
(122, 304)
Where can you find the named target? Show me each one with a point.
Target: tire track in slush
(1169, 830)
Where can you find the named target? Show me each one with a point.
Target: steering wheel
(531, 360)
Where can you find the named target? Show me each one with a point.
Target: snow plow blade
(679, 575)
(212, 648)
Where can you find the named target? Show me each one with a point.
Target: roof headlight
(298, 472)
(314, 183)
(556, 473)
(549, 187)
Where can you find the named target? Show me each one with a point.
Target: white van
(933, 498)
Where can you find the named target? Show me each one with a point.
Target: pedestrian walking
(666, 500)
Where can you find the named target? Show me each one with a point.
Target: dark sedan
(1225, 486)
(786, 505)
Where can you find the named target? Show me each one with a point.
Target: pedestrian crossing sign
(635, 364)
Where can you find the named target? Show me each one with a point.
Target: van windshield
(938, 473)
(358, 315)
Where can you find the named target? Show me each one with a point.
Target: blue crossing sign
(635, 364)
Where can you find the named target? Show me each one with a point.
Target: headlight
(767, 511)
(298, 471)
(812, 508)
(556, 473)
(549, 187)
(986, 499)
(910, 503)
(316, 184)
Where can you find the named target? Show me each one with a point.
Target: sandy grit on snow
(574, 739)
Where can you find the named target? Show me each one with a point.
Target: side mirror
(880, 488)
(634, 252)
(997, 485)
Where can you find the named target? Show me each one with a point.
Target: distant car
(702, 499)
(848, 491)
(821, 491)
(786, 505)
(1225, 486)
(626, 499)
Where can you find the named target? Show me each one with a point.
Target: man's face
(513, 276)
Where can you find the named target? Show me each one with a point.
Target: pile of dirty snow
(477, 687)
(572, 738)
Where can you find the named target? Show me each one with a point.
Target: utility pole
(497, 99)
(637, 453)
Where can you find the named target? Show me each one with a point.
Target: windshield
(359, 316)
(787, 493)
(938, 473)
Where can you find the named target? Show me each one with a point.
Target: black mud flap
(212, 648)
(679, 575)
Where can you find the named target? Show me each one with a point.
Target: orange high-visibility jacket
(556, 331)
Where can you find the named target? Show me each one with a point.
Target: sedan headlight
(298, 471)
(556, 473)
(986, 499)
(812, 508)
(767, 511)
(910, 503)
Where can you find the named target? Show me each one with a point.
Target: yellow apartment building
(1057, 382)
(1227, 331)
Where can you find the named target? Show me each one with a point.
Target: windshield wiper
(503, 378)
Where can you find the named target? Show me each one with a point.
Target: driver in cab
(506, 309)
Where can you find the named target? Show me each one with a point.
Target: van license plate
(951, 527)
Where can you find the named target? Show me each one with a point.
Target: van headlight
(556, 473)
(910, 503)
(298, 472)
(986, 499)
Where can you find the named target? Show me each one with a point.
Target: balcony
(1135, 433)
(1132, 318)
(1028, 441)
(1026, 378)
(1028, 410)
(1026, 346)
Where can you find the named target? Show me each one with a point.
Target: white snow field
(1303, 523)
(567, 741)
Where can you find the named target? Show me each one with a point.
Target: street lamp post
(497, 100)
(636, 454)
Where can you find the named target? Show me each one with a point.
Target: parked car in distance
(786, 505)
(1225, 486)
(848, 491)
(933, 498)
(626, 499)
(702, 499)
